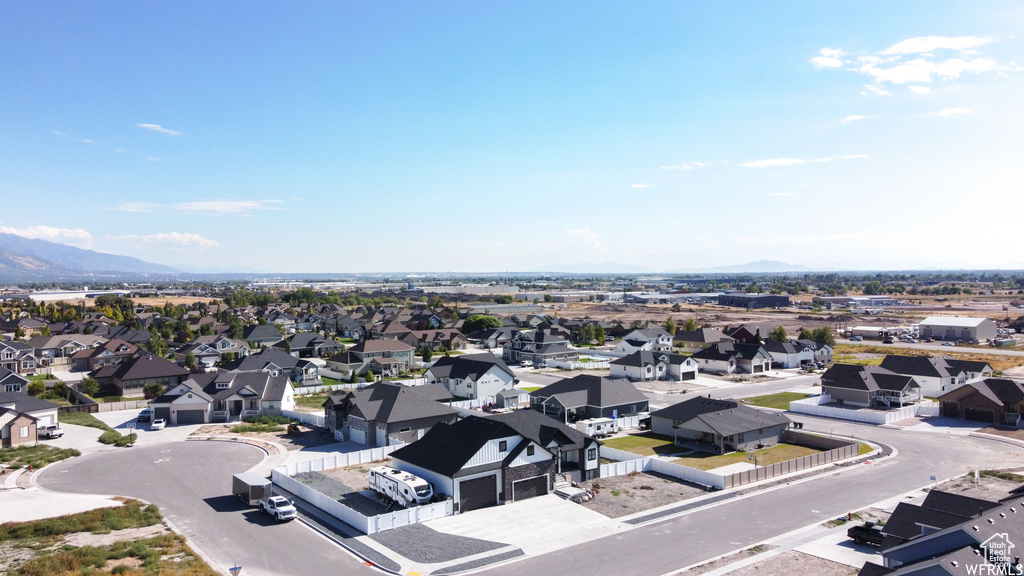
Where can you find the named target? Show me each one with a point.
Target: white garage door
(357, 436)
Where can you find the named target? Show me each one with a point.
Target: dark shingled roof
(22, 402)
(142, 368)
(642, 358)
(592, 391)
(470, 366)
(741, 419)
(854, 377)
(689, 409)
(387, 402)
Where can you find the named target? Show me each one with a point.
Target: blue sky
(493, 136)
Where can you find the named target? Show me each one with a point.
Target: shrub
(267, 419)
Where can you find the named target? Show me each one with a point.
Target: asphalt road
(191, 483)
(663, 547)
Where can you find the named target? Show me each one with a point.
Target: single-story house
(261, 335)
(21, 416)
(648, 365)
(224, 397)
(729, 357)
(483, 461)
(389, 357)
(869, 386)
(383, 412)
(995, 400)
(128, 378)
(583, 397)
(723, 425)
(699, 338)
(472, 376)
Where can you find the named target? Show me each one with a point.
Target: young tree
(670, 326)
(690, 325)
(824, 335)
(599, 334)
(89, 386)
(806, 334)
(36, 387)
(152, 390)
(480, 321)
(426, 353)
(586, 333)
(190, 361)
(757, 336)
(778, 334)
(19, 333)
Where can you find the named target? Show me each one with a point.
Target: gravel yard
(421, 544)
(624, 495)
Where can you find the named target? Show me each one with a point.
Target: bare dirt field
(991, 489)
(355, 477)
(624, 495)
(309, 437)
(785, 564)
(1009, 433)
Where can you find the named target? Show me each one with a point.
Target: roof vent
(975, 528)
(991, 521)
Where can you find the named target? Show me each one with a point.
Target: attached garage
(164, 413)
(690, 375)
(951, 409)
(356, 435)
(979, 415)
(191, 416)
(478, 493)
(529, 488)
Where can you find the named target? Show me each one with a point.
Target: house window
(502, 446)
(529, 450)
(592, 454)
(24, 431)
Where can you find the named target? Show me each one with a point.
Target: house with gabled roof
(938, 510)
(730, 357)
(106, 353)
(262, 335)
(656, 336)
(869, 386)
(309, 345)
(18, 357)
(938, 375)
(648, 365)
(209, 350)
(382, 413)
(278, 363)
(12, 381)
(483, 461)
(699, 338)
(443, 338)
(583, 397)
(539, 346)
(388, 357)
(128, 378)
(721, 425)
(63, 346)
(995, 400)
(790, 354)
(42, 412)
(472, 375)
(224, 397)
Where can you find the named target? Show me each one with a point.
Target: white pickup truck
(279, 507)
(54, 431)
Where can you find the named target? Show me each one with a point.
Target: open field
(997, 362)
(623, 495)
(773, 455)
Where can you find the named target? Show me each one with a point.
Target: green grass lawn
(780, 400)
(311, 401)
(864, 449)
(773, 455)
(644, 444)
(529, 388)
(851, 359)
(328, 381)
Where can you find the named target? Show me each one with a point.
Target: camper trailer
(399, 487)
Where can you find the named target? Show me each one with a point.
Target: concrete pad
(33, 504)
(945, 425)
(837, 547)
(81, 438)
(538, 525)
(733, 468)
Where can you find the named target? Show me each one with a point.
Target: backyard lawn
(529, 388)
(773, 455)
(780, 400)
(644, 444)
(311, 401)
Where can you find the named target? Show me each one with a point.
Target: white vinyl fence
(282, 477)
(320, 388)
(815, 406)
(577, 365)
(305, 417)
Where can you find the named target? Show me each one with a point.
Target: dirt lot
(1016, 433)
(991, 489)
(355, 477)
(624, 495)
(785, 564)
(309, 437)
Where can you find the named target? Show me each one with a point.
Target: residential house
(105, 354)
(278, 363)
(539, 347)
(492, 338)
(129, 335)
(18, 357)
(938, 510)
(129, 377)
(647, 365)
(699, 338)
(483, 461)
(719, 425)
(657, 337)
(261, 335)
(869, 386)
(49, 348)
(730, 357)
(441, 339)
(823, 353)
(42, 412)
(751, 333)
(936, 376)
(212, 349)
(224, 397)
(472, 375)
(12, 381)
(309, 345)
(790, 354)
(994, 400)
(383, 413)
(583, 397)
(628, 346)
(387, 357)
(392, 330)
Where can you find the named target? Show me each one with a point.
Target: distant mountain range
(26, 259)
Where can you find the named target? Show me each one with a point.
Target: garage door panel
(356, 435)
(191, 417)
(478, 493)
(164, 413)
(951, 409)
(978, 415)
(529, 488)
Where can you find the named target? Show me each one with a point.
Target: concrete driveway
(123, 420)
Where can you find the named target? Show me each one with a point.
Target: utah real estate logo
(999, 558)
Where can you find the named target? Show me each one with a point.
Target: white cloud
(586, 237)
(152, 159)
(853, 118)
(87, 141)
(167, 240)
(774, 162)
(920, 89)
(821, 159)
(876, 90)
(932, 43)
(830, 58)
(954, 111)
(73, 236)
(690, 166)
(783, 194)
(640, 186)
(212, 207)
(159, 128)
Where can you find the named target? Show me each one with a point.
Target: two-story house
(472, 376)
(388, 357)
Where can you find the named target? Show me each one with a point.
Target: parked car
(158, 424)
(949, 343)
(54, 431)
(888, 340)
(145, 415)
(856, 338)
